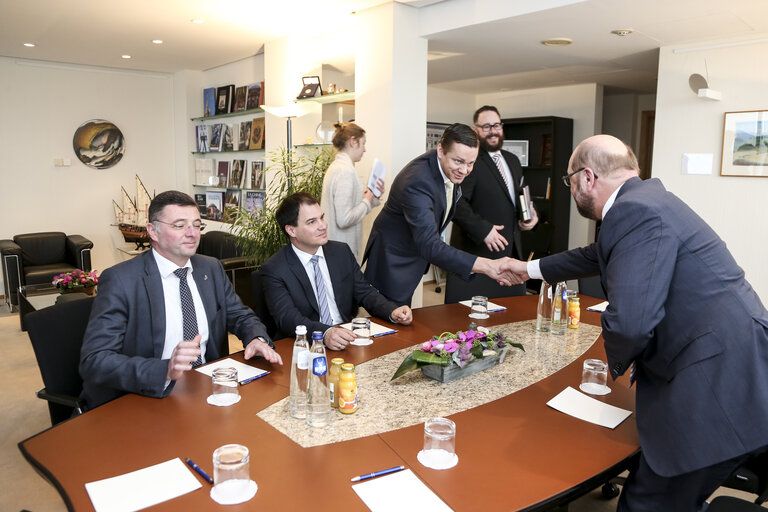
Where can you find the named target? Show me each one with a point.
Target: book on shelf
(225, 99)
(231, 204)
(236, 174)
(201, 205)
(257, 174)
(204, 174)
(261, 94)
(226, 137)
(257, 133)
(240, 96)
(223, 173)
(201, 132)
(253, 96)
(214, 203)
(216, 137)
(254, 201)
(546, 149)
(235, 127)
(209, 101)
(245, 135)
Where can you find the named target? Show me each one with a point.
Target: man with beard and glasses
(486, 220)
(682, 320)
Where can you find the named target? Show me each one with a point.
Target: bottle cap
(337, 360)
(348, 366)
(301, 329)
(317, 335)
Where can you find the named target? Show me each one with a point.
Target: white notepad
(599, 307)
(491, 306)
(376, 329)
(142, 488)
(579, 405)
(245, 372)
(399, 491)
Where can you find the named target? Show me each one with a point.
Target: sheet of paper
(491, 306)
(378, 172)
(579, 405)
(399, 491)
(244, 371)
(143, 488)
(599, 307)
(376, 329)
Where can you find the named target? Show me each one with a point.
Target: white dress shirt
(306, 261)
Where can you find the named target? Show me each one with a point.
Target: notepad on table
(376, 329)
(399, 491)
(492, 308)
(245, 372)
(583, 407)
(598, 307)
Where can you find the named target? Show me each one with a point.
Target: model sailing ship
(132, 217)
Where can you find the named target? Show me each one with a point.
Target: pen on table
(199, 470)
(246, 381)
(377, 473)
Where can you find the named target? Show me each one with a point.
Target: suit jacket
(125, 336)
(405, 237)
(682, 311)
(291, 299)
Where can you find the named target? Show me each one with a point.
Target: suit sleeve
(102, 358)
(241, 320)
(366, 294)
(281, 305)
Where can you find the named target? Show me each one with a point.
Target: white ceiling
(499, 55)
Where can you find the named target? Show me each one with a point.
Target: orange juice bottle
(347, 389)
(333, 380)
(574, 312)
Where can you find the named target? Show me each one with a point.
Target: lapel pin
(205, 277)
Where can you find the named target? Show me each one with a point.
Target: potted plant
(76, 281)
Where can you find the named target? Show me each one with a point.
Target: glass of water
(439, 444)
(361, 328)
(226, 389)
(479, 307)
(231, 472)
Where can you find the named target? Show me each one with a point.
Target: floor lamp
(288, 112)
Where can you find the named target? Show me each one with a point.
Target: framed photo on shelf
(434, 133)
(518, 148)
(745, 144)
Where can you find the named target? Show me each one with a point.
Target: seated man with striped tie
(164, 312)
(316, 282)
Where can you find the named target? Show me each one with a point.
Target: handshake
(506, 271)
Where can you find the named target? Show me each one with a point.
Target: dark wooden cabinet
(550, 142)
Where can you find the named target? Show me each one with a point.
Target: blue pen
(199, 470)
(246, 381)
(377, 473)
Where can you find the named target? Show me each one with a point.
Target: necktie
(188, 316)
(448, 199)
(322, 295)
(497, 160)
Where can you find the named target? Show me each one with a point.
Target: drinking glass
(226, 389)
(361, 328)
(479, 307)
(231, 473)
(594, 377)
(439, 444)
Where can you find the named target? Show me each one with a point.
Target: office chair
(752, 477)
(259, 304)
(731, 504)
(591, 286)
(56, 333)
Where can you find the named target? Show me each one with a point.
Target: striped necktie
(497, 160)
(322, 295)
(188, 315)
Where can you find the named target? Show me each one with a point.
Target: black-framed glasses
(567, 177)
(183, 226)
(485, 128)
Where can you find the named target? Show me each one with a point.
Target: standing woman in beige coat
(345, 200)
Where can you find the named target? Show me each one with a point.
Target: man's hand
(516, 267)
(337, 338)
(182, 358)
(256, 347)
(499, 270)
(527, 226)
(494, 241)
(402, 315)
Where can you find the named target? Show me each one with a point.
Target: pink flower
(451, 347)
(426, 346)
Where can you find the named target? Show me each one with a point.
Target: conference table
(515, 453)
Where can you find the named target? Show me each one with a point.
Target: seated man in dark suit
(316, 282)
(164, 312)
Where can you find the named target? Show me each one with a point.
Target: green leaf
(517, 345)
(429, 358)
(408, 364)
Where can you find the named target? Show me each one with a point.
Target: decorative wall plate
(98, 144)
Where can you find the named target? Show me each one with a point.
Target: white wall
(444, 106)
(42, 105)
(619, 117)
(734, 207)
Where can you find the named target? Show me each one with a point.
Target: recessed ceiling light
(157, 41)
(29, 45)
(621, 32)
(197, 21)
(557, 41)
(126, 56)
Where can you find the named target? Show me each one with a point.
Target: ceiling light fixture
(621, 32)
(197, 21)
(157, 41)
(29, 45)
(557, 41)
(126, 56)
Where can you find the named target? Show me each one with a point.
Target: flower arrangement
(460, 348)
(75, 279)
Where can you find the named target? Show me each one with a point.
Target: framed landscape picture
(745, 144)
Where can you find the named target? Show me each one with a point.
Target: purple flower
(451, 347)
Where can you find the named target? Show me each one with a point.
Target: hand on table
(402, 315)
(182, 357)
(256, 347)
(337, 338)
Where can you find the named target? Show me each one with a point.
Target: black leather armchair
(223, 246)
(35, 258)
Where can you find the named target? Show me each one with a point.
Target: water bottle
(318, 404)
(299, 367)
(544, 311)
(559, 309)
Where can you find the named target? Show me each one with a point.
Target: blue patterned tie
(322, 295)
(188, 316)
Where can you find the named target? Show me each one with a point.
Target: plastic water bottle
(318, 405)
(559, 309)
(299, 378)
(544, 310)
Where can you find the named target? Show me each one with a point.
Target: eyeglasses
(485, 128)
(567, 177)
(183, 226)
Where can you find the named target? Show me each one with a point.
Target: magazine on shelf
(261, 94)
(214, 201)
(231, 204)
(225, 99)
(201, 205)
(236, 174)
(209, 102)
(254, 201)
(215, 137)
(201, 132)
(223, 173)
(204, 174)
(240, 95)
(254, 93)
(245, 135)
(235, 127)
(257, 133)
(226, 137)
(257, 174)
